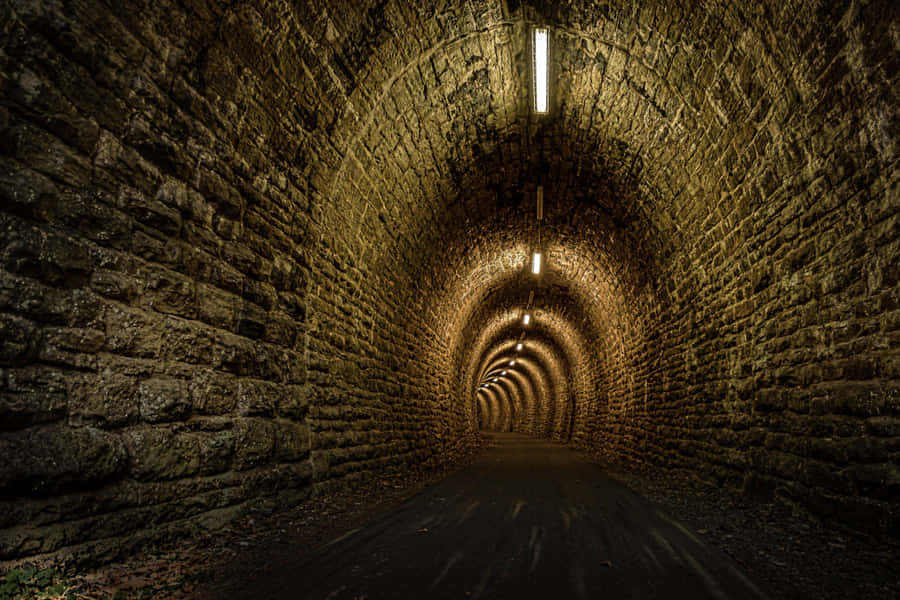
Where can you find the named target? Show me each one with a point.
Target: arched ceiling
(413, 141)
(310, 221)
(663, 124)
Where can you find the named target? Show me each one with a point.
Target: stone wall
(723, 190)
(180, 334)
(764, 357)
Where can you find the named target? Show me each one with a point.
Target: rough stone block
(105, 400)
(213, 393)
(163, 400)
(48, 459)
(292, 441)
(162, 452)
(53, 258)
(19, 340)
(254, 442)
(132, 332)
(23, 409)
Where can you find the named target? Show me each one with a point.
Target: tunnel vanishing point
(250, 251)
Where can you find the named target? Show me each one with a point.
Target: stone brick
(291, 441)
(162, 400)
(106, 400)
(19, 340)
(49, 459)
(254, 442)
(162, 453)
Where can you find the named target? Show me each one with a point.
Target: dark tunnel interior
(259, 251)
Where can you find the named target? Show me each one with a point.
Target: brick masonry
(250, 252)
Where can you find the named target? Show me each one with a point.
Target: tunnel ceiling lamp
(503, 373)
(519, 347)
(526, 319)
(536, 259)
(539, 71)
(496, 379)
(540, 203)
(512, 363)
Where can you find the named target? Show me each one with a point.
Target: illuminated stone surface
(248, 252)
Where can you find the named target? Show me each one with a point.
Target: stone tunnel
(257, 251)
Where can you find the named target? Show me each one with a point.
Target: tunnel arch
(267, 247)
(536, 371)
(523, 382)
(550, 359)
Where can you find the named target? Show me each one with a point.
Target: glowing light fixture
(526, 319)
(519, 347)
(503, 373)
(512, 363)
(496, 379)
(536, 263)
(540, 70)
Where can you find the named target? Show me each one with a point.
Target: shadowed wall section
(249, 252)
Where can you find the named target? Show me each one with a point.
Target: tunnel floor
(527, 519)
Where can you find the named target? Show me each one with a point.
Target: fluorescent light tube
(541, 43)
